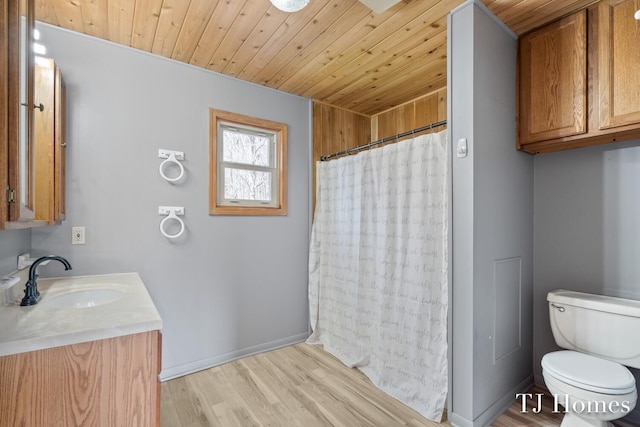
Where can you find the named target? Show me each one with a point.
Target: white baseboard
(495, 410)
(199, 365)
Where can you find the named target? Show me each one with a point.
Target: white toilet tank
(603, 326)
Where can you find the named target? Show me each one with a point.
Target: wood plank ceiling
(334, 51)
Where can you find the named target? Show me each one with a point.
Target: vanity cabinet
(110, 382)
(578, 83)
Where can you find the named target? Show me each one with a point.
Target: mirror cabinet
(33, 138)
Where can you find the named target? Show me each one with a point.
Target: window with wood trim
(247, 165)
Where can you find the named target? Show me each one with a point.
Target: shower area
(421, 249)
(378, 267)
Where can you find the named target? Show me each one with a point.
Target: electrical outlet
(77, 235)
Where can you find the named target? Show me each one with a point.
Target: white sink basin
(82, 298)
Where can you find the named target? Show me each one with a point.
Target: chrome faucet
(31, 293)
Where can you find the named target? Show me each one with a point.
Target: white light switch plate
(461, 148)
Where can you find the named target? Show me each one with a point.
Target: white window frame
(271, 169)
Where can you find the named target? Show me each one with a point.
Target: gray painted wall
(492, 222)
(587, 233)
(233, 285)
(12, 243)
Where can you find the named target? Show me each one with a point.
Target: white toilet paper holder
(173, 157)
(172, 213)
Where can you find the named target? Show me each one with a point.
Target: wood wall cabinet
(111, 382)
(578, 83)
(49, 141)
(553, 80)
(618, 63)
(32, 125)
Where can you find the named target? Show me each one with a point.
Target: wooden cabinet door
(618, 63)
(49, 141)
(104, 383)
(43, 138)
(60, 146)
(553, 81)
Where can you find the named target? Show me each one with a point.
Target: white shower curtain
(378, 267)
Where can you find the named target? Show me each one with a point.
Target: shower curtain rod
(383, 140)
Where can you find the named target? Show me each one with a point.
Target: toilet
(589, 381)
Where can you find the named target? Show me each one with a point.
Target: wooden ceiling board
(379, 59)
(94, 14)
(347, 66)
(288, 30)
(234, 38)
(252, 44)
(170, 22)
(195, 21)
(356, 62)
(314, 49)
(395, 66)
(145, 22)
(46, 13)
(320, 23)
(219, 23)
(522, 16)
(318, 66)
(406, 83)
(69, 15)
(551, 11)
(120, 21)
(334, 51)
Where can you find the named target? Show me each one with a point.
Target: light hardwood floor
(300, 385)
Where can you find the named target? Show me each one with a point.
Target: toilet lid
(589, 372)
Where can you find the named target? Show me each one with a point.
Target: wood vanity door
(618, 63)
(553, 81)
(104, 383)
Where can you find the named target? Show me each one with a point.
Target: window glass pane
(247, 148)
(242, 184)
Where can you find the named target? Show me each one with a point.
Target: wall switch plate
(461, 148)
(77, 235)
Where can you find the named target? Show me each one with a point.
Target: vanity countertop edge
(38, 327)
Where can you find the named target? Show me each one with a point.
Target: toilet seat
(588, 372)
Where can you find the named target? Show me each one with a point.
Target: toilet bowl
(589, 380)
(588, 390)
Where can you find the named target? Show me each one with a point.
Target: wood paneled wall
(336, 129)
(422, 111)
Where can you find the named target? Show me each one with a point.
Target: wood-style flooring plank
(302, 385)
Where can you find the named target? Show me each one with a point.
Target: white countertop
(41, 326)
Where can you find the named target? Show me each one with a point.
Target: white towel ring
(171, 160)
(172, 216)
